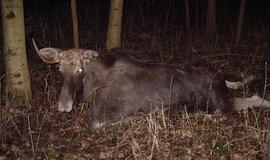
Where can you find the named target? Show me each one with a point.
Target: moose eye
(79, 71)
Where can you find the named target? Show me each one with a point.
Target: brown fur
(130, 86)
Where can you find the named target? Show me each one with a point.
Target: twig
(39, 131)
(75, 127)
(16, 127)
(31, 137)
(1, 86)
(47, 158)
(171, 88)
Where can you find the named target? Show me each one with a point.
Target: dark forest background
(154, 30)
(148, 25)
(50, 20)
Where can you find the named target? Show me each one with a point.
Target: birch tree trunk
(18, 86)
(76, 41)
(211, 18)
(240, 21)
(115, 24)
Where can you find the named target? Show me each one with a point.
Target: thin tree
(18, 86)
(211, 18)
(240, 21)
(187, 20)
(115, 24)
(76, 40)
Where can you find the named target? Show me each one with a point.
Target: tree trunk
(75, 23)
(240, 21)
(115, 24)
(211, 18)
(18, 86)
(187, 20)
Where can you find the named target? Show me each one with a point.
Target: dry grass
(50, 135)
(40, 132)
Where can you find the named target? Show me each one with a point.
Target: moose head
(72, 63)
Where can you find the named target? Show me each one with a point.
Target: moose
(118, 86)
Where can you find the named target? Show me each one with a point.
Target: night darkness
(52, 19)
(156, 31)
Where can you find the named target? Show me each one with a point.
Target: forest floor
(39, 131)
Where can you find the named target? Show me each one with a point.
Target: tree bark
(115, 24)
(240, 21)
(211, 18)
(18, 86)
(76, 40)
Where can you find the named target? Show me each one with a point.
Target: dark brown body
(123, 86)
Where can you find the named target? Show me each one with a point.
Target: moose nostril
(65, 107)
(61, 107)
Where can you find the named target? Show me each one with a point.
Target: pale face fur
(71, 67)
(71, 64)
(71, 61)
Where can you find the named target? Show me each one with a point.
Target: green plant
(218, 145)
(53, 153)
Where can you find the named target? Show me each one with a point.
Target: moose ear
(90, 54)
(50, 55)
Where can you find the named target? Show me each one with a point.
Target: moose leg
(254, 101)
(104, 114)
(217, 100)
(239, 84)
